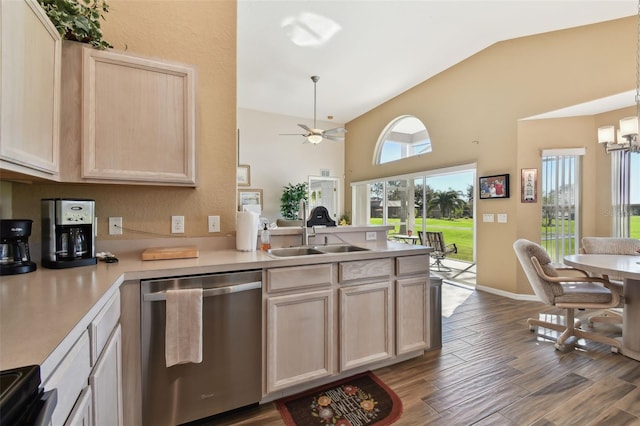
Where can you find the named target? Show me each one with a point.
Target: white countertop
(47, 308)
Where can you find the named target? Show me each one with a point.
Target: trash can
(435, 311)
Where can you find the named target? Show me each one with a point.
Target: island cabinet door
(411, 314)
(299, 338)
(366, 324)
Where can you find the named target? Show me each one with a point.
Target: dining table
(628, 268)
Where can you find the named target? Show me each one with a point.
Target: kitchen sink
(307, 250)
(340, 249)
(294, 251)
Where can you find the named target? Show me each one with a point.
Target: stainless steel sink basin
(308, 250)
(340, 249)
(294, 251)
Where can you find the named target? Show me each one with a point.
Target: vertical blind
(620, 193)
(561, 171)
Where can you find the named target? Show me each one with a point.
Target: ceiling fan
(315, 135)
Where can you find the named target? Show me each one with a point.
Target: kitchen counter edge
(44, 312)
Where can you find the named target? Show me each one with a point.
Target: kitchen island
(44, 313)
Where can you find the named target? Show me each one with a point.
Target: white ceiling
(381, 48)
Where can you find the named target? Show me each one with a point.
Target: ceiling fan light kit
(315, 135)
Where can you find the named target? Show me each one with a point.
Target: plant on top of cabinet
(290, 200)
(78, 20)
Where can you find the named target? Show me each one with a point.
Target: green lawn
(460, 232)
(635, 227)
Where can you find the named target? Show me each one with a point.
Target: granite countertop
(48, 309)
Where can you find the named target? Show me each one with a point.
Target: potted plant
(78, 20)
(290, 200)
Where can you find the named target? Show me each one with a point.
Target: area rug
(355, 401)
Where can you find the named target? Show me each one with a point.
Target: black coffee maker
(14, 247)
(68, 230)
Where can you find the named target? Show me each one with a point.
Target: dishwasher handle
(209, 292)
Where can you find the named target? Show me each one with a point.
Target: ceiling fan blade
(292, 134)
(336, 130)
(333, 138)
(306, 128)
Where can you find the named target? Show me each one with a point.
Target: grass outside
(460, 232)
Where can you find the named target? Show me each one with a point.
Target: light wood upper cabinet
(134, 117)
(30, 94)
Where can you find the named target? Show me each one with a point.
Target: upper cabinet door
(127, 118)
(30, 94)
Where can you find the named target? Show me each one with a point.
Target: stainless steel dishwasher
(229, 376)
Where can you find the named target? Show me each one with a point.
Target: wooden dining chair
(568, 292)
(440, 248)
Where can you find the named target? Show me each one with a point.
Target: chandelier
(626, 138)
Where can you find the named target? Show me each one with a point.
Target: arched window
(403, 137)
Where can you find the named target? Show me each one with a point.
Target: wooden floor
(493, 371)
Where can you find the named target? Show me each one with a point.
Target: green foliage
(449, 202)
(78, 20)
(345, 219)
(290, 200)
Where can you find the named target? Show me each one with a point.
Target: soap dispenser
(265, 239)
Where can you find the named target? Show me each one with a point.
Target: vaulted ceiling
(366, 52)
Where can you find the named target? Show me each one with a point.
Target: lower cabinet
(327, 319)
(106, 383)
(82, 414)
(70, 378)
(412, 303)
(366, 324)
(299, 338)
(88, 379)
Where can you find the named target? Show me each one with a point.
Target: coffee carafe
(14, 247)
(68, 230)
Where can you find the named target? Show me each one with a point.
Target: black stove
(21, 397)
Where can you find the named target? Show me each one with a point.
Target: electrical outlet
(177, 224)
(214, 223)
(371, 236)
(115, 226)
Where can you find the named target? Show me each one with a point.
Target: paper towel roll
(247, 231)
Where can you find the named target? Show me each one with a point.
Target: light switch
(487, 217)
(502, 218)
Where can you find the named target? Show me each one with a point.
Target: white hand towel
(183, 337)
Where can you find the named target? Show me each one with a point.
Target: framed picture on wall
(250, 199)
(493, 187)
(243, 175)
(529, 186)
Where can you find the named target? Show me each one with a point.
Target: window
(405, 202)
(561, 202)
(403, 137)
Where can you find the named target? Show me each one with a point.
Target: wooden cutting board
(170, 253)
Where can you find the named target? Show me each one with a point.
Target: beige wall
(483, 99)
(197, 32)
